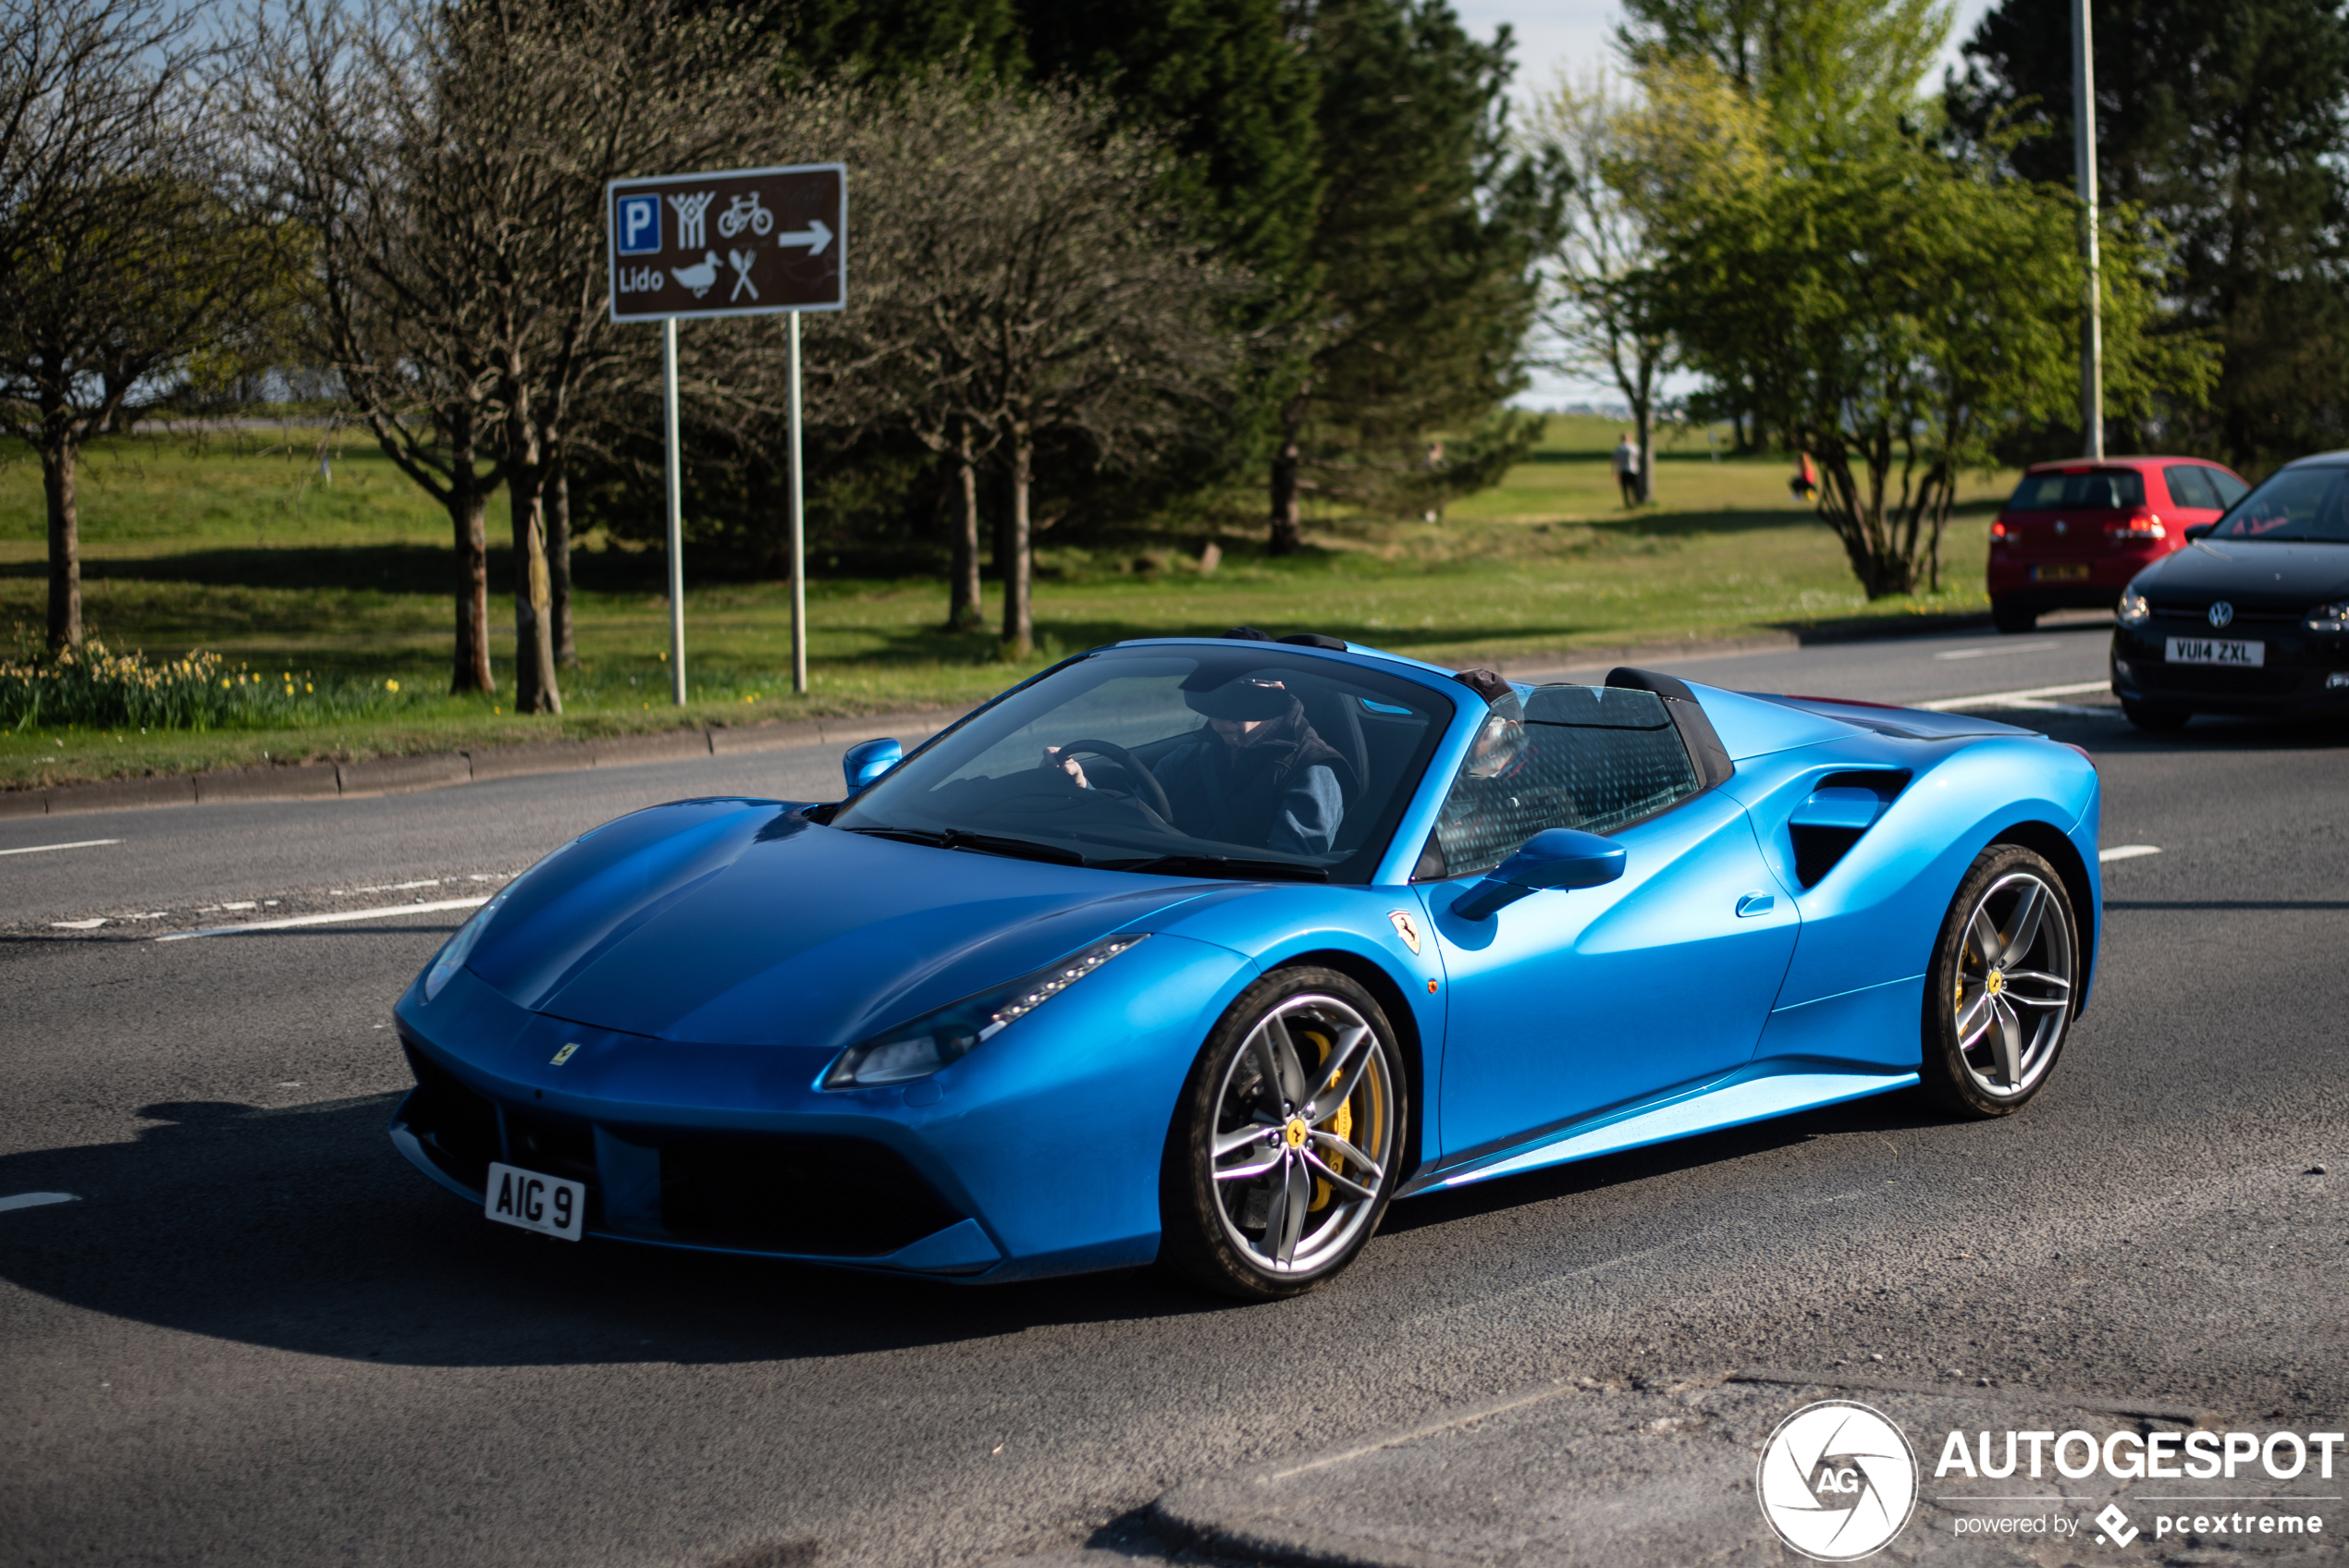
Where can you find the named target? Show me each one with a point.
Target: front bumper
(1036, 1155)
(2303, 672)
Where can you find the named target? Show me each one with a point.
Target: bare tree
(1595, 309)
(123, 255)
(1022, 280)
(453, 163)
(556, 99)
(343, 113)
(893, 361)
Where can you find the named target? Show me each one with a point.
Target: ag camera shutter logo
(1838, 1481)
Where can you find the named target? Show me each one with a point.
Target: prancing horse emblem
(1405, 929)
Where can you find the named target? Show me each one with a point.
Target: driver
(1254, 774)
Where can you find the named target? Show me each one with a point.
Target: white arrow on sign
(815, 236)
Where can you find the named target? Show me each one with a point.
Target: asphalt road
(258, 1337)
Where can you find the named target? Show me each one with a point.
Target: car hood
(741, 921)
(2250, 573)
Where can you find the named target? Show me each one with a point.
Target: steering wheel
(1147, 788)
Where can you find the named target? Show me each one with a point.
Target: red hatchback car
(2074, 533)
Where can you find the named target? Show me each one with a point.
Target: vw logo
(2059, 528)
(2222, 613)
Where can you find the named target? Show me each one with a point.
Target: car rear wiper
(985, 843)
(1218, 866)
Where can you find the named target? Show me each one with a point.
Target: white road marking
(385, 912)
(2127, 852)
(1992, 653)
(398, 887)
(2036, 697)
(79, 925)
(36, 1200)
(44, 849)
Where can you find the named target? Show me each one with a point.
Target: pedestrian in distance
(1626, 470)
(1804, 484)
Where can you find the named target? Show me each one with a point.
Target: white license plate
(548, 1205)
(2216, 651)
(2213, 650)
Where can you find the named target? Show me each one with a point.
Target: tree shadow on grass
(384, 569)
(921, 646)
(1678, 525)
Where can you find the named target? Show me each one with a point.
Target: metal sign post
(798, 534)
(676, 490)
(784, 232)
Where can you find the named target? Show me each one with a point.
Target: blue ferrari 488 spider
(1201, 951)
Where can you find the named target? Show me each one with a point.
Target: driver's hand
(1069, 765)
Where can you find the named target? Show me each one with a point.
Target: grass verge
(237, 548)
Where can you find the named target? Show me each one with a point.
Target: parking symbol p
(639, 226)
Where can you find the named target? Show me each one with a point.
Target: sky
(1573, 35)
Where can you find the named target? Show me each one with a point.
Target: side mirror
(1555, 857)
(868, 760)
(2199, 531)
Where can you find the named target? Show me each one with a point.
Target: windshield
(2300, 504)
(1246, 760)
(2083, 490)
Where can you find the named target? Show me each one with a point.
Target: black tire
(1998, 1000)
(2158, 720)
(2012, 618)
(1221, 1233)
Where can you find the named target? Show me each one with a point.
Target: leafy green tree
(886, 39)
(1225, 82)
(1831, 62)
(2223, 121)
(1422, 284)
(1233, 90)
(1888, 307)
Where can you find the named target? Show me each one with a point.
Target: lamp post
(2084, 156)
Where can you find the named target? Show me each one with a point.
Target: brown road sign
(739, 242)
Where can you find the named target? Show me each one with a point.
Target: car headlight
(2133, 610)
(459, 947)
(2329, 618)
(940, 1039)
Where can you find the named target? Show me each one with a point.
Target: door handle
(1750, 904)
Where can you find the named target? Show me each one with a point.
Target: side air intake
(1839, 809)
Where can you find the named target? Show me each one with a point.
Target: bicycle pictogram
(745, 212)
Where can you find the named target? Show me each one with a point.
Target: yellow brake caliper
(1341, 1123)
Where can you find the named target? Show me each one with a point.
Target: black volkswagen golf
(2252, 616)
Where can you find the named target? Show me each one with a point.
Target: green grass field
(234, 545)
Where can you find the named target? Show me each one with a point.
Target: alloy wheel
(2015, 972)
(1304, 1133)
